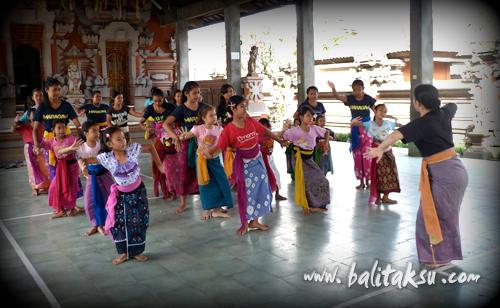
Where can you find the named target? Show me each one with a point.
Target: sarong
(254, 191)
(128, 218)
(63, 189)
(384, 176)
(38, 173)
(448, 180)
(216, 192)
(362, 145)
(97, 190)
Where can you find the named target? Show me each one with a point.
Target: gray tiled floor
(206, 264)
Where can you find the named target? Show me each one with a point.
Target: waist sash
(300, 185)
(429, 212)
(113, 198)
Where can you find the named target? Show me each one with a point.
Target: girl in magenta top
(63, 189)
(254, 191)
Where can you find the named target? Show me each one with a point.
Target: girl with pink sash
(127, 204)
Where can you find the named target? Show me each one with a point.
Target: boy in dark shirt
(95, 111)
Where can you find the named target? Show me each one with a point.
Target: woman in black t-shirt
(443, 177)
(117, 114)
(152, 123)
(182, 119)
(223, 115)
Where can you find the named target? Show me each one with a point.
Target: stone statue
(88, 88)
(172, 43)
(99, 82)
(74, 78)
(251, 61)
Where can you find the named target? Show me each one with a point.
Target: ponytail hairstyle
(428, 96)
(31, 102)
(158, 92)
(223, 90)
(153, 89)
(303, 110)
(188, 86)
(49, 82)
(85, 129)
(106, 135)
(202, 113)
(265, 122)
(310, 89)
(116, 93)
(234, 101)
(376, 108)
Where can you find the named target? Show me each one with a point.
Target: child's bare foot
(141, 258)
(35, 192)
(181, 208)
(256, 225)
(100, 230)
(360, 186)
(58, 215)
(306, 212)
(120, 259)
(91, 231)
(242, 230)
(206, 215)
(75, 211)
(279, 197)
(378, 202)
(435, 265)
(263, 225)
(220, 213)
(317, 210)
(388, 201)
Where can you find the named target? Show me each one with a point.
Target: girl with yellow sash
(212, 181)
(312, 190)
(443, 177)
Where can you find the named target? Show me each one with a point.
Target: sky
(346, 28)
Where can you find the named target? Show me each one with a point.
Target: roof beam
(202, 8)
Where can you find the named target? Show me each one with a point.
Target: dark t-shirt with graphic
(360, 108)
(96, 113)
(187, 117)
(47, 114)
(119, 117)
(158, 117)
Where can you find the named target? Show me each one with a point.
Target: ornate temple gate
(117, 58)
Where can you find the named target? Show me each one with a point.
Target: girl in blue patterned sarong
(254, 191)
(212, 180)
(127, 205)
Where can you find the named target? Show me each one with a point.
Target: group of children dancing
(195, 149)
